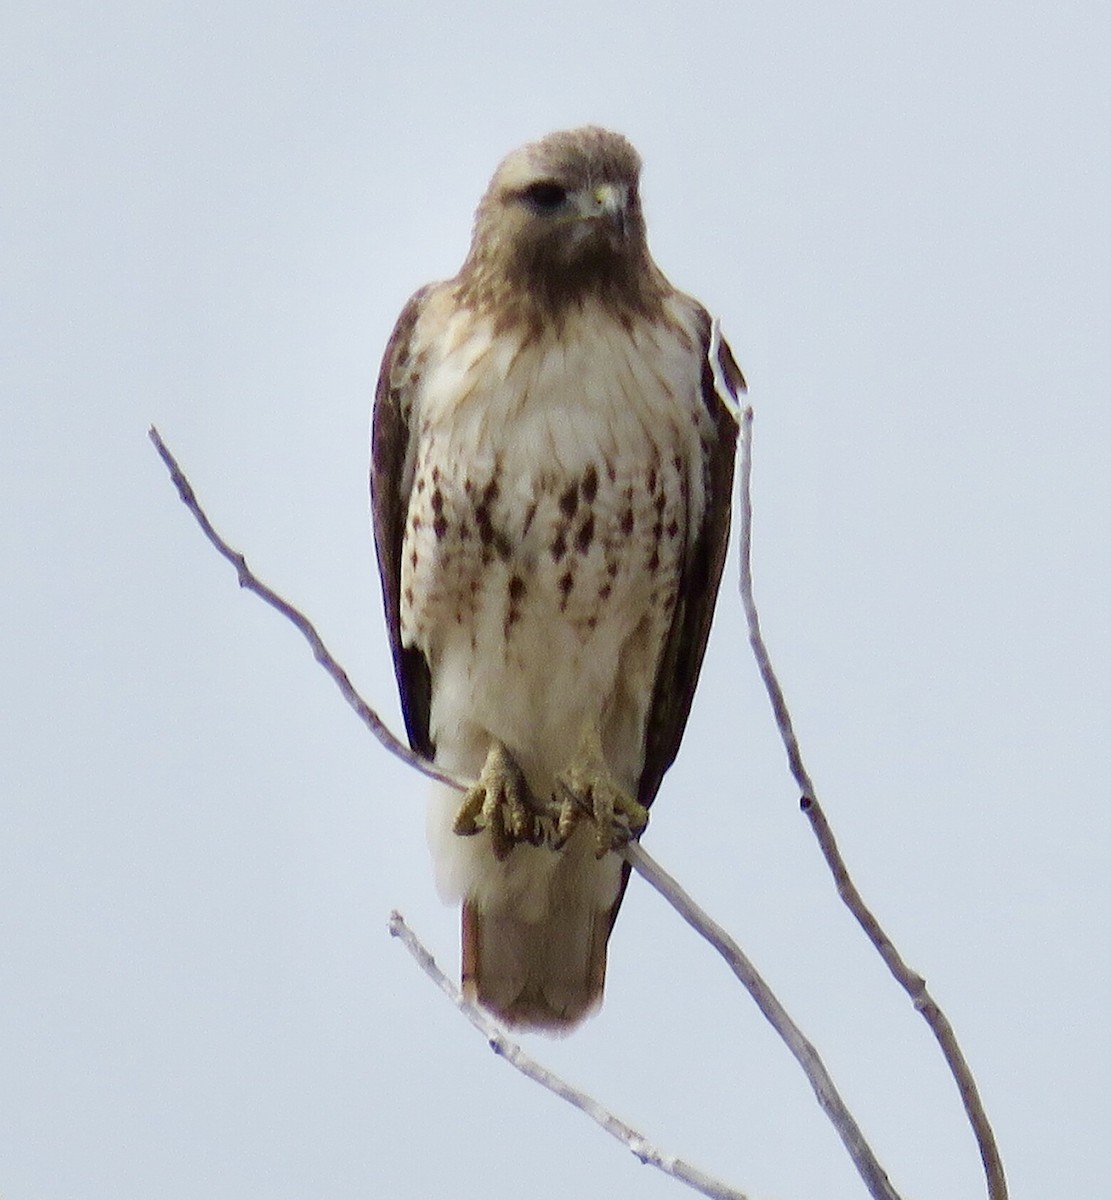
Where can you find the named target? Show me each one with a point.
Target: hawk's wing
(389, 498)
(681, 660)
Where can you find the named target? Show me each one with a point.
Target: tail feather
(545, 974)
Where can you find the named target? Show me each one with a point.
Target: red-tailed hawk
(551, 481)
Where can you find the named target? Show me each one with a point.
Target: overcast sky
(210, 217)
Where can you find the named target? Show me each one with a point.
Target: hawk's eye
(544, 197)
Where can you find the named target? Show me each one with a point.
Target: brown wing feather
(389, 504)
(681, 661)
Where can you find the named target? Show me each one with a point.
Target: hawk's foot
(587, 788)
(501, 802)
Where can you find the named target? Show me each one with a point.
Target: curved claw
(590, 790)
(501, 802)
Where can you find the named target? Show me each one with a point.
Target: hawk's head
(561, 222)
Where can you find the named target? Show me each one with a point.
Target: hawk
(551, 478)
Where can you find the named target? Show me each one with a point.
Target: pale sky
(210, 217)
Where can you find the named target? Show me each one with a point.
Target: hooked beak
(608, 203)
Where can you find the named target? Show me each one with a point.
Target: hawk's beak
(606, 202)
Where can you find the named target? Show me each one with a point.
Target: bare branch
(874, 1176)
(804, 1052)
(511, 1051)
(248, 580)
(911, 982)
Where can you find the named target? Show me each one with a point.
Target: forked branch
(871, 1172)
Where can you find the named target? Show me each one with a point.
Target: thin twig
(511, 1051)
(807, 1057)
(248, 580)
(911, 982)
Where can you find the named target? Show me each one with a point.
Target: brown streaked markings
(627, 521)
(439, 521)
(530, 513)
(654, 561)
(569, 501)
(517, 591)
(585, 535)
(659, 505)
(566, 583)
(611, 471)
(559, 544)
(489, 536)
(482, 507)
(673, 528)
(590, 484)
(485, 527)
(604, 591)
(491, 491)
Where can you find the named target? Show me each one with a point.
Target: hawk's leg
(501, 802)
(588, 788)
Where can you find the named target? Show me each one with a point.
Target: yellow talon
(589, 788)
(499, 801)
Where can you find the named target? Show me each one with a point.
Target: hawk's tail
(545, 974)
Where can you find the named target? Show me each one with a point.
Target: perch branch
(911, 982)
(248, 580)
(505, 1048)
(498, 1041)
(870, 1170)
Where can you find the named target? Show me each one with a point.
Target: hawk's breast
(556, 485)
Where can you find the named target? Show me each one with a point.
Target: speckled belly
(542, 595)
